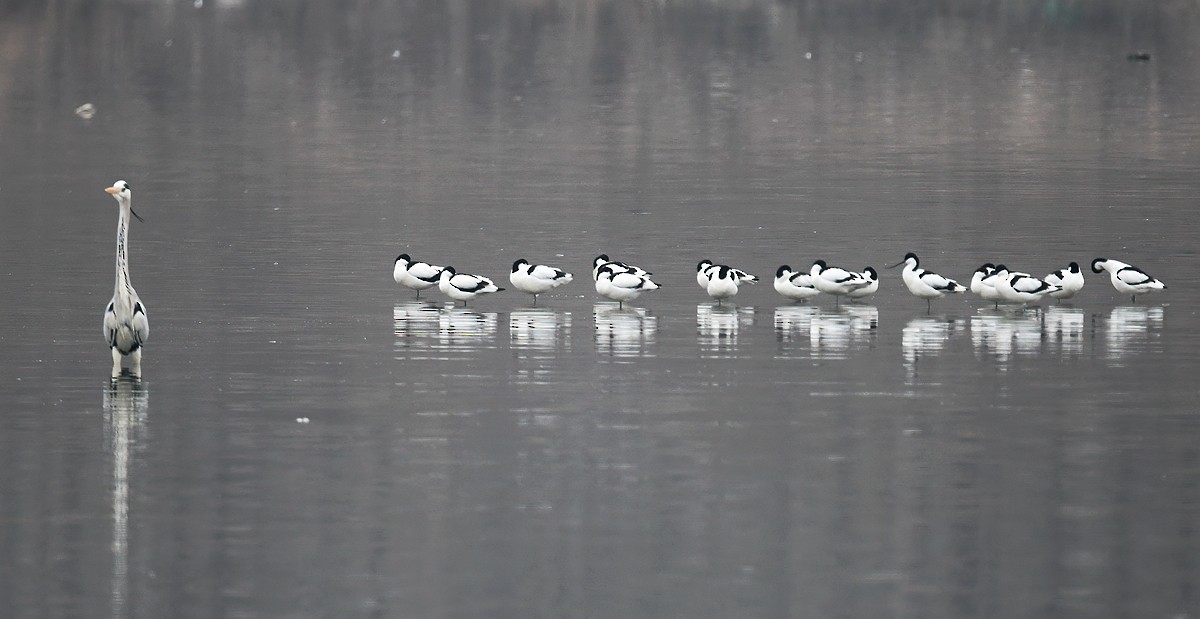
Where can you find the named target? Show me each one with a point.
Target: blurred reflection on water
(126, 411)
(624, 332)
(717, 328)
(537, 337)
(835, 334)
(1131, 330)
(926, 337)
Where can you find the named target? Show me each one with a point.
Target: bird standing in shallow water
(925, 284)
(536, 278)
(621, 286)
(1069, 280)
(872, 276)
(464, 286)
(126, 327)
(793, 284)
(1126, 278)
(415, 275)
(836, 281)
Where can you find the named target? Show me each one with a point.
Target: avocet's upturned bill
(871, 288)
(1017, 287)
(1126, 278)
(616, 267)
(925, 284)
(835, 280)
(1069, 280)
(983, 283)
(415, 275)
(126, 327)
(464, 286)
(794, 285)
(622, 286)
(535, 279)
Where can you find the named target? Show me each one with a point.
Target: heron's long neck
(122, 288)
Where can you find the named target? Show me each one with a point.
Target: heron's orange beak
(111, 190)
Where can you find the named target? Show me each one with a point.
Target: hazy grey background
(676, 460)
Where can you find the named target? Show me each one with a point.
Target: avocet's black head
(782, 270)
(601, 259)
(1097, 265)
(403, 257)
(1073, 267)
(518, 264)
(870, 271)
(986, 268)
(449, 270)
(703, 264)
(1001, 267)
(907, 257)
(821, 264)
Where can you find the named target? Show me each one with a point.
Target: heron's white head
(121, 191)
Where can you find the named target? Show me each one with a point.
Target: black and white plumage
(705, 269)
(536, 278)
(415, 275)
(464, 286)
(925, 284)
(1069, 280)
(622, 286)
(126, 327)
(872, 276)
(1126, 278)
(722, 283)
(616, 266)
(795, 285)
(836, 281)
(1017, 287)
(983, 283)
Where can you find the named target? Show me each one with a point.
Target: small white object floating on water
(1126, 278)
(925, 284)
(415, 275)
(616, 267)
(87, 111)
(535, 279)
(1018, 287)
(835, 280)
(1069, 280)
(621, 286)
(794, 285)
(464, 286)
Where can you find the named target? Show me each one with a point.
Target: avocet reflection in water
(828, 334)
(430, 331)
(536, 337)
(624, 332)
(925, 336)
(1132, 329)
(717, 328)
(1001, 334)
(834, 335)
(125, 412)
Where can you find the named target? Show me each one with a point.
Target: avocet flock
(621, 282)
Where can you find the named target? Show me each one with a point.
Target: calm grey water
(311, 441)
